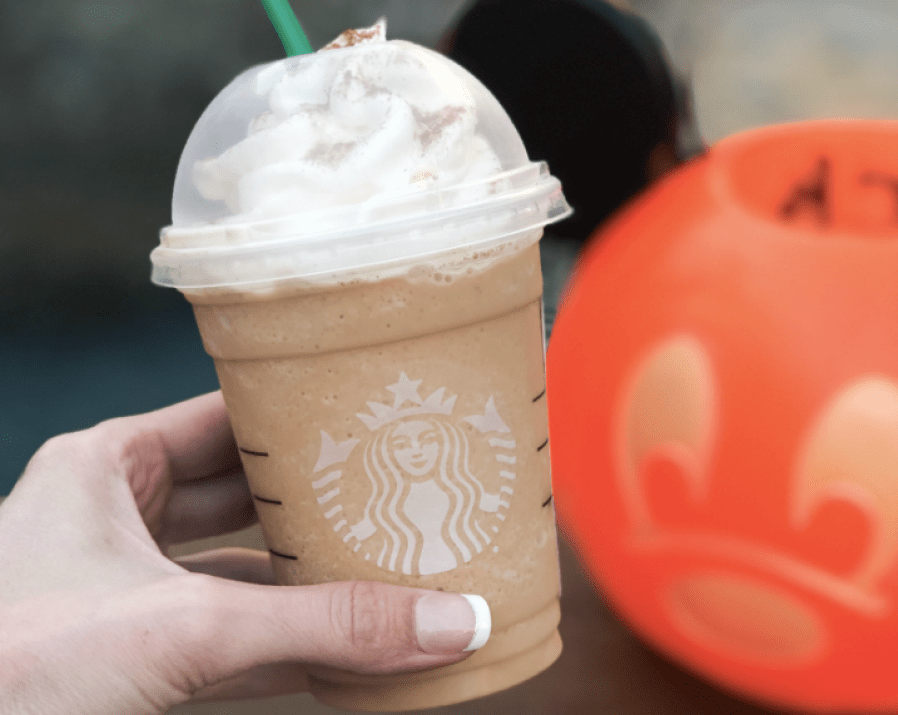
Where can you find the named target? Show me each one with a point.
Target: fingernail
(452, 623)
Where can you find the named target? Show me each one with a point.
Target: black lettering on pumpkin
(811, 195)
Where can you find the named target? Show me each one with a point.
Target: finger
(198, 437)
(265, 681)
(192, 438)
(153, 451)
(207, 507)
(364, 627)
(234, 563)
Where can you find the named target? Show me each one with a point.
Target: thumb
(360, 626)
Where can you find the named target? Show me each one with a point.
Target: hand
(94, 618)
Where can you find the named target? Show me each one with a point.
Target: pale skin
(96, 619)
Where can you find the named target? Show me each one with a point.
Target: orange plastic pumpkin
(723, 397)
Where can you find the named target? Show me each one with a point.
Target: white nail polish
(483, 621)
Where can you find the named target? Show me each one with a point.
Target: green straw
(287, 27)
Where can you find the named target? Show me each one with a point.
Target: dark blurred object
(588, 88)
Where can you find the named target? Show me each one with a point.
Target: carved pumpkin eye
(852, 456)
(670, 408)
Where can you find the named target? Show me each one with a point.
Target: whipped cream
(370, 156)
(362, 125)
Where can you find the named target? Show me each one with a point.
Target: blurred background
(97, 99)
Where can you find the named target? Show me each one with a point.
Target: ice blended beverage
(358, 232)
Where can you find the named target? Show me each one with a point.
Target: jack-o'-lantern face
(841, 505)
(724, 417)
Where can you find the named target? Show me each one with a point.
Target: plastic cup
(382, 360)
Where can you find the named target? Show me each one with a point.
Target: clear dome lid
(350, 158)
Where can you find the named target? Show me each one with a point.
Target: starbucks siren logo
(426, 512)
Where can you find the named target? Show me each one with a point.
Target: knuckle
(52, 449)
(133, 451)
(64, 452)
(122, 446)
(374, 624)
(359, 614)
(131, 447)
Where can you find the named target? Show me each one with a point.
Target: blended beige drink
(381, 355)
(396, 431)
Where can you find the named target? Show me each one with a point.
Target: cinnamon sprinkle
(351, 37)
(430, 125)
